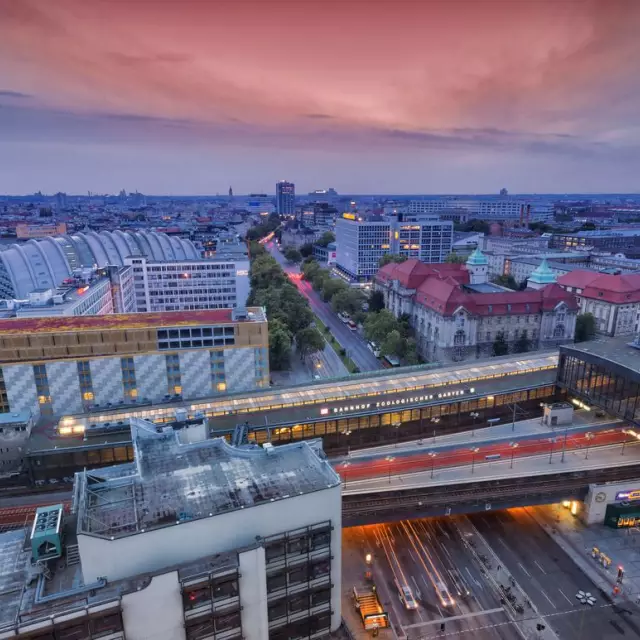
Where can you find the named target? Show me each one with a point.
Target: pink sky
(364, 95)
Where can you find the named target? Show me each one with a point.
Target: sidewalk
(577, 540)
(514, 599)
(524, 430)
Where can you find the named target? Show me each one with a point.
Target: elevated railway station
(357, 411)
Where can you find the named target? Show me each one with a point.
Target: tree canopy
(376, 301)
(387, 258)
(585, 327)
(326, 238)
(500, 346)
(506, 281)
(455, 258)
(291, 254)
(308, 341)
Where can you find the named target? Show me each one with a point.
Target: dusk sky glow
(367, 96)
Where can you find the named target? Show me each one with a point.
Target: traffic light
(620, 573)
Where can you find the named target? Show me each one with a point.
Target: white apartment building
(360, 244)
(191, 541)
(221, 282)
(499, 208)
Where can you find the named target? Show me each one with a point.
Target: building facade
(613, 299)
(26, 231)
(190, 542)
(626, 241)
(15, 429)
(285, 198)
(360, 244)
(500, 209)
(46, 263)
(211, 283)
(458, 315)
(56, 366)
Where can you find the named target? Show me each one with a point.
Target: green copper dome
(542, 274)
(477, 259)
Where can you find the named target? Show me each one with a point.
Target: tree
(588, 226)
(585, 327)
(455, 258)
(347, 300)
(500, 346)
(256, 249)
(477, 226)
(376, 301)
(506, 281)
(266, 271)
(310, 269)
(320, 277)
(279, 345)
(522, 344)
(306, 250)
(291, 254)
(309, 341)
(326, 238)
(379, 325)
(391, 257)
(332, 286)
(411, 352)
(393, 344)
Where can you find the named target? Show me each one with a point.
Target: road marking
(539, 567)
(464, 616)
(472, 578)
(412, 556)
(548, 598)
(565, 596)
(520, 565)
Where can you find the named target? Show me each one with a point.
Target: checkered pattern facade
(21, 386)
(151, 376)
(240, 369)
(195, 372)
(64, 387)
(106, 375)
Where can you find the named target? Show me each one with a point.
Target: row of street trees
(288, 312)
(261, 230)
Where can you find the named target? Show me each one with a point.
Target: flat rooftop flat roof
(125, 321)
(176, 482)
(617, 350)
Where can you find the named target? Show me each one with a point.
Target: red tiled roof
(115, 321)
(618, 289)
(412, 273)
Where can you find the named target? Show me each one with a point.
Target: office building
(15, 429)
(612, 298)
(362, 243)
(458, 315)
(625, 241)
(219, 282)
(57, 366)
(46, 263)
(505, 209)
(326, 254)
(25, 231)
(285, 198)
(189, 542)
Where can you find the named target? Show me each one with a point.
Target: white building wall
(600, 495)
(253, 594)
(64, 387)
(240, 369)
(20, 383)
(155, 612)
(195, 373)
(151, 376)
(106, 377)
(181, 543)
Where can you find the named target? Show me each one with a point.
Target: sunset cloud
(433, 81)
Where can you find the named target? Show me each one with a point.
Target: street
(351, 341)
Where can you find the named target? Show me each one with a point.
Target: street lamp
(552, 441)
(475, 415)
(589, 437)
(474, 450)
(344, 472)
(435, 422)
(396, 426)
(564, 444)
(433, 455)
(514, 446)
(389, 459)
(347, 433)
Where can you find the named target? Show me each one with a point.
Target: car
(406, 596)
(444, 595)
(374, 348)
(344, 317)
(352, 325)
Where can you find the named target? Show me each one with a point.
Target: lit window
(87, 395)
(221, 386)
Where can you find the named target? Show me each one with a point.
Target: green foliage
(379, 325)
(310, 269)
(348, 300)
(411, 352)
(308, 341)
(506, 281)
(306, 250)
(387, 258)
(522, 344)
(585, 327)
(331, 287)
(376, 301)
(279, 345)
(266, 271)
(291, 254)
(455, 258)
(542, 227)
(500, 346)
(588, 226)
(393, 344)
(285, 303)
(256, 249)
(259, 231)
(478, 226)
(326, 238)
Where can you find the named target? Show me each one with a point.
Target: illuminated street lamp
(433, 455)
(344, 472)
(396, 426)
(435, 422)
(551, 442)
(389, 459)
(475, 415)
(347, 433)
(514, 446)
(589, 437)
(474, 450)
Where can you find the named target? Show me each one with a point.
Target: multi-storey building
(613, 299)
(189, 542)
(458, 315)
(46, 263)
(58, 366)
(26, 231)
(15, 429)
(499, 209)
(625, 241)
(360, 244)
(220, 282)
(285, 198)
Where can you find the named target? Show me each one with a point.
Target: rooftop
(617, 350)
(172, 482)
(125, 321)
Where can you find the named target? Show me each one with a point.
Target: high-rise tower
(285, 198)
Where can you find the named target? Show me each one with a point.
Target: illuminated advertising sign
(349, 216)
(634, 494)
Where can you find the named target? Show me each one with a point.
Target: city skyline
(412, 97)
